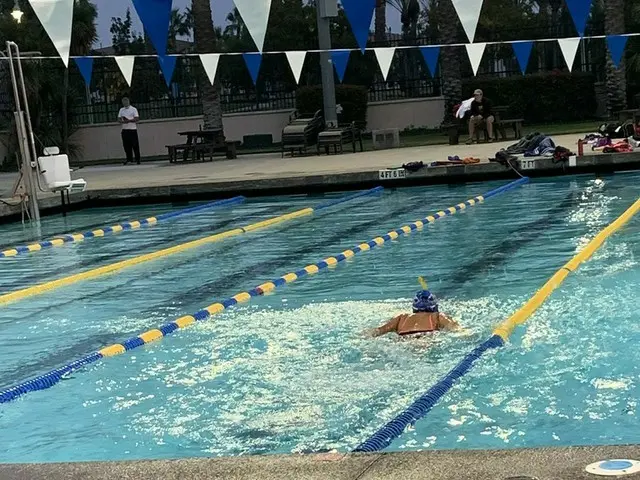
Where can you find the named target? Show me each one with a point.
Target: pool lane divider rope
(423, 405)
(117, 266)
(60, 240)
(54, 376)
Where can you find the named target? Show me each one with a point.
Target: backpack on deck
(617, 130)
(525, 144)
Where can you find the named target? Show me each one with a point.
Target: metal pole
(25, 133)
(326, 10)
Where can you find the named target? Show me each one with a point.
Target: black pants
(131, 145)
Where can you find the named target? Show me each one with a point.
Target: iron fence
(100, 102)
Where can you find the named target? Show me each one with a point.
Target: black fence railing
(408, 79)
(243, 101)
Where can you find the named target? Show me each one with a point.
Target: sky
(220, 8)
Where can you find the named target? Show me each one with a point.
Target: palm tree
(83, 36)
(205, 40)
(409, 16)
(85, 32)
(614, 23)
(235, 24)
(633, 47)
(450, 72)
(381, 21)
(180, 25)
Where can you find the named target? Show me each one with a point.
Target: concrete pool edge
(558, 463)
(325, 182)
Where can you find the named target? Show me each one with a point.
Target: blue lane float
(101, 232)
(51, 378)
(418, 409)
(338, 201)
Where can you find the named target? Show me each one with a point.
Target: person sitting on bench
(481, 114)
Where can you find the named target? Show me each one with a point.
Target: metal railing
(100, 103)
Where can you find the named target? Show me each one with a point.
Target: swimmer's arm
(390, 326)
(447, 323)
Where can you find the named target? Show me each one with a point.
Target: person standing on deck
(128, 117)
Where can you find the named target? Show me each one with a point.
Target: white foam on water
(306, 372)
(603, 383)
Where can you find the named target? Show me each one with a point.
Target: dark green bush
(352, 98)
(540, 98)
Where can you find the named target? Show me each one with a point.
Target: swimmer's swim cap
(425, 302)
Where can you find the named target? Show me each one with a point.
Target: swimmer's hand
(370, 332)
(463, 332)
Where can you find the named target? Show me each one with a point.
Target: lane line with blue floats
(51, 378)
(63, 239)
(39, 289)
(423, 405)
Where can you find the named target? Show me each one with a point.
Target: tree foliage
(49, 105)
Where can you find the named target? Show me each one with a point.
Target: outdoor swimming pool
(291, 371)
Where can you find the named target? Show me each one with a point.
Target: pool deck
(266, 174)
(541, 464)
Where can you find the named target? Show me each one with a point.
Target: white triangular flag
(569, 47)
(469, 13)
(296, 62)
(255, 15)
(475, 52)
(210, 64)
(385, 58)
(56, 17)
(126, 66)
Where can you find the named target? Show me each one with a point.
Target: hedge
(540, 98)
(352, 98)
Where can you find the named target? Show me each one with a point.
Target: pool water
(292, 371)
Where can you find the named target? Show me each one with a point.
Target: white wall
(415, 112)
(102, 141)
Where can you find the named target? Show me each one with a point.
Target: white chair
(56, 173)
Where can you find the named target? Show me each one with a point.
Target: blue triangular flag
(253, 62)
(579, 10)
(167, 65)
(359, 13)
(155, 16)
(85, 65)
(523, 52)
(431, 56)
(340, 59)
(616, 44)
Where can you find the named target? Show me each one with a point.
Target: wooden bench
(502, 123)
(500, 126)
(201, 151)
(338, 137)
(175, 150)
(513, 123)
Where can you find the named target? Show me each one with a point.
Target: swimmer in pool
(424, 320)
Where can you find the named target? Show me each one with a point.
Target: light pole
(16, 13)
(327, 9)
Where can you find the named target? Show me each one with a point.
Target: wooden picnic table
(201, 143)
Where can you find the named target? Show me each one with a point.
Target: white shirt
(129, 113)
(464, 108)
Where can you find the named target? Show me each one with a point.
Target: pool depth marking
(54, 376)
(63, 239)
(114, 267)
(423, 405)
